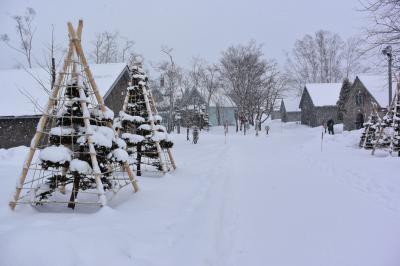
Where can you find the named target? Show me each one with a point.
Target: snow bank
(120, 155)
(132, 138)
(62, 131)
(80, 166)
(132, 118)
(56, 154)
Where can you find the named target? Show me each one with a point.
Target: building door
(359, 121)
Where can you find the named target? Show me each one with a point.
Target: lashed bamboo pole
(150, 114)
(78, 48)
(92, 150)
(41, 125)
(171, 158)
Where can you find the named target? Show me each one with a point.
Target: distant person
(187, 133)
(195, 132)
(266, 129)
(330, 125)
(324, 125)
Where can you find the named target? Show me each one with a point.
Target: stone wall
(17, 131)
(115, 98)
(275, 115)
(353, 109)
(291, 116)
(324, 113)
(307, 110)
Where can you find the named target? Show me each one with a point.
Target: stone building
(290, 110)
(366, 91)
(24, 96)
(318, 103)
(276, 110)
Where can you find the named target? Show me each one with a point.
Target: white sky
(193, 28)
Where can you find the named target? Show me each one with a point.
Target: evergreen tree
(145, 136)
(344, 94)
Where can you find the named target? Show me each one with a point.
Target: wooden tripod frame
(149, 110)
(74, 47)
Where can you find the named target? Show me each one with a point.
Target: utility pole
(388, 52)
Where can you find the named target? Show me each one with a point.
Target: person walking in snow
(266, 129)
(330, 124)
(187, 133)
(195, 132)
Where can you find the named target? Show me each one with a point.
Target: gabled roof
(291, 104)
(15, 84)
(221, 100)
(378, 86)
(324, 94)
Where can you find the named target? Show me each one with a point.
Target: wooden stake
(40, 128)
(150, 113)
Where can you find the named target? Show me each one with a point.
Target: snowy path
(275, 200)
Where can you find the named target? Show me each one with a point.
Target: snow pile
(121, 143)
(132, 138)
(131, 118)
(80, 166)
(157, 118)
(159, 136)
(62, 131)
(103, 136)
(56, 154)
(120, 155)
(145, 127)
(160, 128)
(99, 114)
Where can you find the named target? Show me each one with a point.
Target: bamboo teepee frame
(391, 119)
(74, 48)
(167, 159)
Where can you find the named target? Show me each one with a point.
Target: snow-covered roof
(16, 84)
(221, 100)
(378, 86)
(292, 104)
(323, 94)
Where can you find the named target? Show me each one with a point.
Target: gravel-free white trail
(267, 200)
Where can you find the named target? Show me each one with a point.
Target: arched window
(360, 99)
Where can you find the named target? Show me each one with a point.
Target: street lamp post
(388, 52)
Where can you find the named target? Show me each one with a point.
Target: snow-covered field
(269, 200)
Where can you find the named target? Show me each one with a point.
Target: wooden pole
(171, 158)
(40, 128)
(150, 113)
(78, 48)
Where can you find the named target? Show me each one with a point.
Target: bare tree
(105, 47)
(316, 59)
(249, 80)
(385, 27)
(211, 82)
(172, 76)
(126, 50)
(25, 32)
(353, 56)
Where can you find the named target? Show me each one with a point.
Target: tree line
(242, 73)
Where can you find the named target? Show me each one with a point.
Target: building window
(360, 99)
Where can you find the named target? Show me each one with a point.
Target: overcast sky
(193, 28)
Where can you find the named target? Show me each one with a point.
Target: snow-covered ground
(282, 199)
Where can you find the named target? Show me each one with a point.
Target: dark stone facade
(359, 104)
(114, 98)
(19, 130)
(292, 116)
(316, 115)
